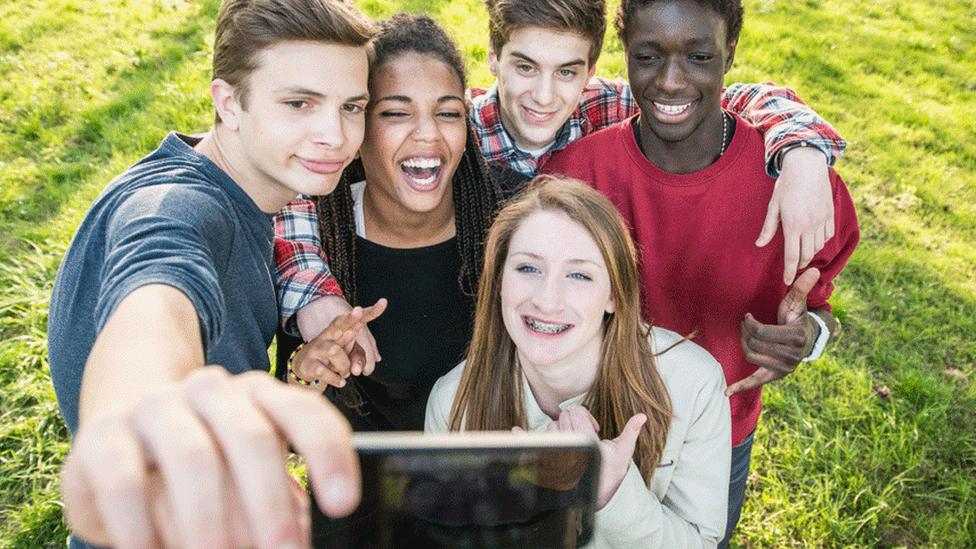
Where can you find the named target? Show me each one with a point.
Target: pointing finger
(769, 224)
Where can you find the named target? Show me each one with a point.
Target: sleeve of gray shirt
(175, 235)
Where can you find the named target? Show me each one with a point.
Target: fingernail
(339, 492)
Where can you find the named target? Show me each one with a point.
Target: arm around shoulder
(784, 120)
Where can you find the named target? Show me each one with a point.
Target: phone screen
(470, 490)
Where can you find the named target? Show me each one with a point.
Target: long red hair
(490, 397)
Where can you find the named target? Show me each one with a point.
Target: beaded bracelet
(291, 372)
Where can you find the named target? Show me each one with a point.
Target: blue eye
(580, 276)
(527, 269)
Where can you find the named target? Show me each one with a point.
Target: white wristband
(822, 337)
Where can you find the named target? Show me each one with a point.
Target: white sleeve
(694, 508)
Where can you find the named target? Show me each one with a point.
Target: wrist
(294, 377)
(800, 151)
(315, 317)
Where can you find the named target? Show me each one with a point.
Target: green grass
(89, 87)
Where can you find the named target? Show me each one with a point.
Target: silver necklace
(725, 133)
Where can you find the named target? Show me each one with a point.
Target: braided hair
(476, 197)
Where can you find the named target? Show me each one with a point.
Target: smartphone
(469, 490)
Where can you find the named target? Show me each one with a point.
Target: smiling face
(416, 132)
(541, 74)
(555, 291)
(677, 57)
(301, 123)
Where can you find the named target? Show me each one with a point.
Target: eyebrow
(573, 63)
(699, 41)
(406, 99)
(316, 94)
(539, 257)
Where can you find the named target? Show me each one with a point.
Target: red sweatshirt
(700, 268)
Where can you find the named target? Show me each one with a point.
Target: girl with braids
(559, 345)
(407, 223)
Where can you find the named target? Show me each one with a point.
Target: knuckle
(260, 438)
(209, 374)
(196, 454)
(120, 485)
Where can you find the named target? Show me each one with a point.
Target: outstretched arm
(801, 201)
(155, 421)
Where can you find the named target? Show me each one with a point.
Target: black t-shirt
(421, 336)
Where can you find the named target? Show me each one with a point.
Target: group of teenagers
(558, 252)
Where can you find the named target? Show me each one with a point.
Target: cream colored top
(686, 504)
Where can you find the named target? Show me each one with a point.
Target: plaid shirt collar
(497, 144)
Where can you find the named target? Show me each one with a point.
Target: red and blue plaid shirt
(779, 114)
(785, 121)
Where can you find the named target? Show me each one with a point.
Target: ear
(731, 55)
(592, 71)
(492, 60)
(611, 307)
(226, 103)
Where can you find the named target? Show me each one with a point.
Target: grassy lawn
(872, 446)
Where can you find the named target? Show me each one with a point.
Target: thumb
(769, 224)
(627, 440)
(794, 304)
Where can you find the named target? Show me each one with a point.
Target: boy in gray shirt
(172, 270)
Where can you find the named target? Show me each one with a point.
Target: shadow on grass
(882, 467)
(133, 92)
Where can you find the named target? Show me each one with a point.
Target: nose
(329, 130)
(671, 78)
(548, 297)
(543, 92)
(426, 129)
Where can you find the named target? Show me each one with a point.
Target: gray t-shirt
(174, 218)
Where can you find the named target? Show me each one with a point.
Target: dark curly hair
(476, 197)
(730, 10)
